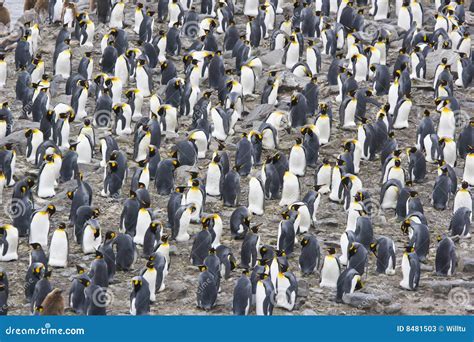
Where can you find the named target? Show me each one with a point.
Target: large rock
(303, 290)
(444, 286)
(177, 291)
(468, 265)
(360, 300)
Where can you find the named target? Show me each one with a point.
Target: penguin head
(246, 220)
(283, 267)
(36, 246)
(80, 269)
(150, 265)
(38, 268)
(137, 283)
(286, 215)
(304, 241)
(84, 281)
(164, 238)
(405, 225)
(352, 249)
(39, 310)
(51, 209)
(95, 213)
(110, 235)
(255, 228)
(212, 251)
(413, 194)
(202, 268)
(373, 247)
(98, 254)
(113, 166)
(397, 162)
(180, 189)
(409, 249)
(62, 226)
(331, 251)
(464, 185)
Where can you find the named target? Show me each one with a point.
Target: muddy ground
(179, 298)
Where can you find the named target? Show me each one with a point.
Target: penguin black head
(80, 269)
(51, 209)
(110, 235)
(212, 251)
(62, 226)
(397, 162)
(409, 249)
(413, 193)
(38, 269)
(137, 283)
(464, 185)
(373, 247)
(340, 162)
(98, 254)
(202, 268)
(405, 225)
(304, 242)
(36, 246)
(352, 249)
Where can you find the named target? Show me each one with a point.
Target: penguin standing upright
(446, 259)
(410, 269)
(331, 270)
(59, 247)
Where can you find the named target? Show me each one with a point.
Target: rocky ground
(381, 294)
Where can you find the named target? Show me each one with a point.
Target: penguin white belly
(329, 273)
(35, 142)
(142, 153)
(428, 144)
(143, 222)
(449, 153)
(183, 227)
(142, 81)
(90, 30)
(194, 196)
(247, 79)
(292, 55)
(116, 17)
(3, 74)
(218, 132)
(39, 229)
(324, 179)
(323, 126)
(392, 97)
(256, 197)
(65, 134)
(251, 8)
(145, 177)
(46, 181)
(297, 161)
(58, 251)
(349, 114)
(171, 120)
(390, 198)
(405, 283)
(84, 152)
(68, 18)
(63, 64)
(279, 42)
(305, 219)
(468, 175)
(138, 20)
(335, 183)
(201, 143)
(57, 11)
(11, 253)
(260, 296)
(404, 19)
(150, 277)
(121, 71)
(343, 258)
(133, 309)
(462, 200)
(89, 242)
(382, 10)
(291, 190)
(282, 300)
(447, 125)
(213, 179)
(352, 216)
(315, 209)
(268, 142)
(396, 173)
(81, 108)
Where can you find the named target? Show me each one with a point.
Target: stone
(360, 300)
(303, 289)
(392, 309)
(309, 312)
(444, 286)
(177, 290)
(468, 265)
